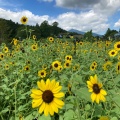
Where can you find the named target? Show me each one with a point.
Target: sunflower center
(96, 88)
(67, 64)
(42, 73)
(113, 53)
(47, 96)
(118, 67)
(118, 46)
(55, 65)
(24, 20)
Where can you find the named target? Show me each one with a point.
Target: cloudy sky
(83, 15)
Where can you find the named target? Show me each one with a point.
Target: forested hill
(10, 30)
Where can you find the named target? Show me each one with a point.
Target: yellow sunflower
(24, 20)
(118, 68)
(92, 67)
(34, 47)
(5, 49)
(104, 118)
(47, 97)
(56, 65)
(15, 41)
(42, 73)
(51, 39)
(107, 65)
(27, 68)
(117, 46)
(6, 66)
(67, 64)
(34, 37)
(96, 88)
(1, 56)
(112, 53)
(68, 58)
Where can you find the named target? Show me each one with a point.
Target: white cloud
(106, 7)
(83, 21)
(45, 0)
(15, 16)
(117, 24)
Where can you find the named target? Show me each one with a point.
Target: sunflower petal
(47, 84)
(42, 107)
(54, 106)
(97, 98)
(93, 97)
(46, 110)
(41, 85)
(37, 92)
(59, 102)
(36, 96)
(36, 102)
(103, 92)
(52, 85)
(57, 89)
(51, 111)
(59, 95)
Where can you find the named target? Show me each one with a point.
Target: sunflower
(34, 47)
(47, 97)
(92, 67)
(67, 64)
(68, 58)
(26, 68)
(51, 39)
(113, 53)
(96, 88)
(5, 49)
(107, 65)
(15, 41)
(104, 118)
(56, 65)
(94, 63)
(118, 68)
(1, 56)
(24, 20)
(34, 37)
(6, 66)
(42, 73)
(117, 46)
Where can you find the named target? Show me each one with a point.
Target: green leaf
(43, 117)
(114, 118)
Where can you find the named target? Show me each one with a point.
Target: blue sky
(83, 15)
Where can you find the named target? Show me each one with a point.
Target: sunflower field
(59, 80)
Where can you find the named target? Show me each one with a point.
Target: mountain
(81, 32)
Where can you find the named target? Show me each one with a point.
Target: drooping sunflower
(117, 46)
(104, 118)
(112, 53)
(96, 88)
(24, 20)
(34, 37)
(51, 39)
(15, 41)
(42, 73)
(56, 65)
(118, 67)
(47, 97)
(107, 65)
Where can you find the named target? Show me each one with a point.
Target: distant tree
(88, 35)
(55, 24)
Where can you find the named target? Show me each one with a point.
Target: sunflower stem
(78, 112)
(26, 32)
